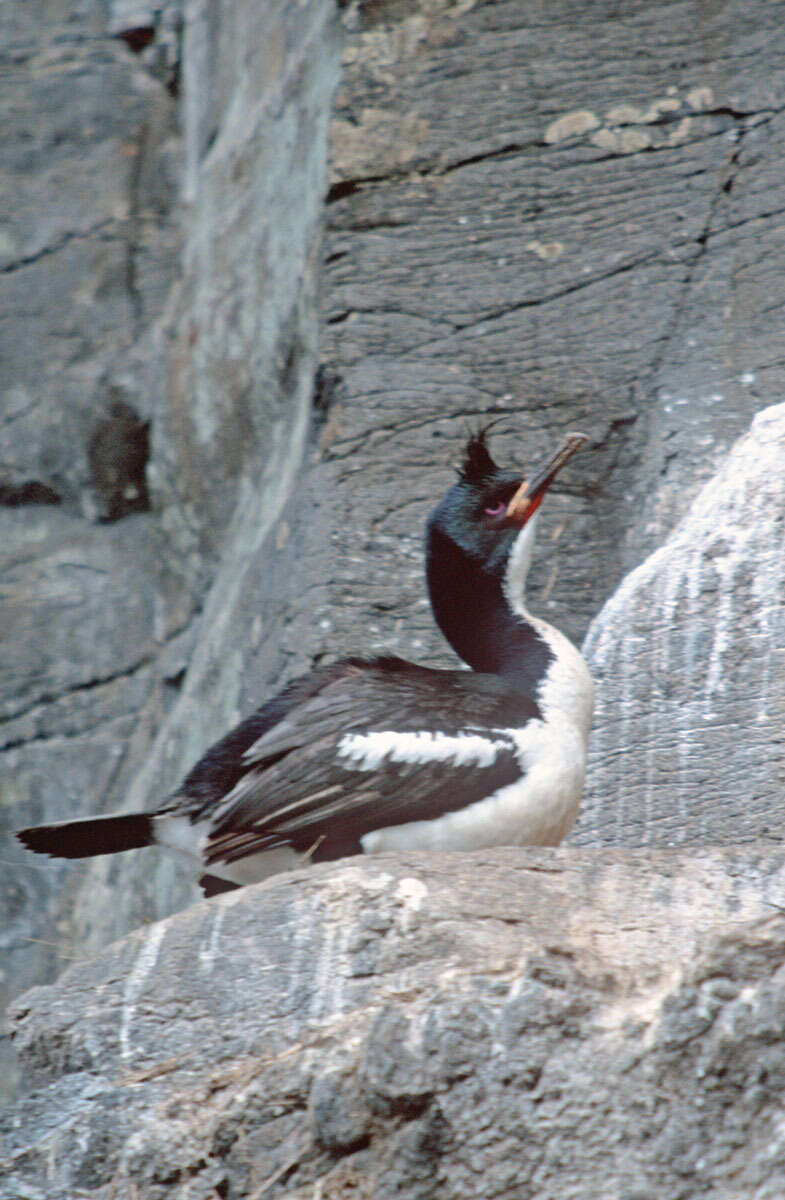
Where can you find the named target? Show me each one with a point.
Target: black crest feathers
(477, 466)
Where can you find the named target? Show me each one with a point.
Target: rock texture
(558, 219)
(566, 220)
(96, 613)
(506, 1025)
(158, 356)
(689, 661)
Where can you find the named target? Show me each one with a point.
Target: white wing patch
(367, 751)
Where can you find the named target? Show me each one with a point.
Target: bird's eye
(497, 509)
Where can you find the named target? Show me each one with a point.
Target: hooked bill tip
(529, 495)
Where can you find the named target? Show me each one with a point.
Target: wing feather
(297, 787)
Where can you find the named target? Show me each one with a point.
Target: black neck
(473, 614)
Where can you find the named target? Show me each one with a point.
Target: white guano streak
(145, 961)
(367, 751)
(730, 531)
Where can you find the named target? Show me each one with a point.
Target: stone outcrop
(552, 218)
(689, 660)
(513, 1024)
(97, 614)
(157, 381)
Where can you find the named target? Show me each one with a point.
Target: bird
(364, 755)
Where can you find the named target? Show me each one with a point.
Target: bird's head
(478, 547)
(486, 510)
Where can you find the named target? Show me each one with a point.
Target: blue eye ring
(495, 510)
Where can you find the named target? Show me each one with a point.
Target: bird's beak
(529, 495)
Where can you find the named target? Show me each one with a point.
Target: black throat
(472, 612)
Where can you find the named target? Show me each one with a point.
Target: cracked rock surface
(157, 351)
(95, 612)
(502, 1025)
(558, 219)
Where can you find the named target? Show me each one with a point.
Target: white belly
(180, 834)
(256, 867)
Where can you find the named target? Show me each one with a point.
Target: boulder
(563, 1023)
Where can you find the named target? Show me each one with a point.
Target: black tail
(91, 835)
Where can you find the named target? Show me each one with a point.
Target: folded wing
(374, 745)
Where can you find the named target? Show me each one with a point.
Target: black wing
(301, 785)
(224, 764)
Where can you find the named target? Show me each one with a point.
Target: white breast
(537, 810)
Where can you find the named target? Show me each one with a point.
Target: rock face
(499, 1025)
(689, 661)
(560, 219)
(157, 382)
(96, 613)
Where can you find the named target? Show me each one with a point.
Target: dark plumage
(365, 755)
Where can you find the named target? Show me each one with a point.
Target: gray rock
(89, 246)
(157, 364)
(527, 1029)
(689, 661)
(487, 252)
(559, 219)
